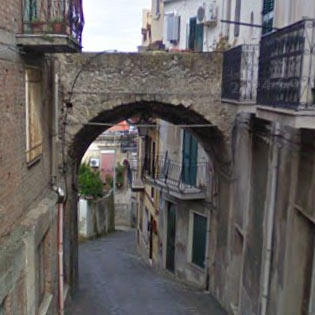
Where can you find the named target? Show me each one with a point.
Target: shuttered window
(199, 240)
(237, 18)
(195, 40)
(157, 7)
(268, 16)
(190, 156)
(30, 10)
(33, 90)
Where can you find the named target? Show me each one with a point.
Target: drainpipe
(61, 198)
(270, 222)
(208, 232)
(60, 192)
(54, 129)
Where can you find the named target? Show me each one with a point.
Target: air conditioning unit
(207, 14)
(95, 162)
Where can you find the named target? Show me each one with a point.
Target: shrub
(90, 184)
(120, 175)
(109, 180)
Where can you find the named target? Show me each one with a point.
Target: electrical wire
(145, 125)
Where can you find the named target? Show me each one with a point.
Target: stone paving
(115, 281)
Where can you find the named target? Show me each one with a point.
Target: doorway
(171, 236)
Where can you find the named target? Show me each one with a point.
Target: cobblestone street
(115, 281)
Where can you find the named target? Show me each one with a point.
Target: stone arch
(211, 138)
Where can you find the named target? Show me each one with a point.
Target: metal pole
(247, 24)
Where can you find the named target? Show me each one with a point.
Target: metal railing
(240, 73)
(287, 67)
(185, 178)
(62, 17)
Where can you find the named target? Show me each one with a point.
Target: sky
(113, 24)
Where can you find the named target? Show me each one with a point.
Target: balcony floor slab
(295, 119)
(47, 43)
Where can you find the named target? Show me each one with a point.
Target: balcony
(185, 182)
(137, 184)
(52, 26)
(240, 73)
(287, 68)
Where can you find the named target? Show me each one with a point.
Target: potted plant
(58, 26)
(36, 25)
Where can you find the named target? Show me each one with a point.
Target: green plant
(120, 175)
(90, 184)
(109, 180)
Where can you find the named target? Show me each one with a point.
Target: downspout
(270, 222)
(55, 123)
(208, 232)
(61, 199)
(60, 192)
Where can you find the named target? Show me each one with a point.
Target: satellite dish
(201, 14)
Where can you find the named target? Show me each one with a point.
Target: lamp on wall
(143, 122)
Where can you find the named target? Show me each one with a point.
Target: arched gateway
(181, 88)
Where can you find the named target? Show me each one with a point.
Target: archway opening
(177, 161)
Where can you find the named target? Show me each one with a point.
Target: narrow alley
(115, 281)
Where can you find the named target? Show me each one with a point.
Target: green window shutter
(237, 17)
(199, 240)
(192, 33)
(190, 156)
(199, 37)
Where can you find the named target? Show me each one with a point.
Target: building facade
(29, 123)
(173, 229)
(208, 25)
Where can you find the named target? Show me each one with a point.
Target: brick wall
(23, 186)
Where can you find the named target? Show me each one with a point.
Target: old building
(174, 208)
(30, 33)
(152, 27)
(209, 25)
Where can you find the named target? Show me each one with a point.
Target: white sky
(113, 24)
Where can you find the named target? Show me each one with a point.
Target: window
(173, 28)
(199, 237)
(195, 40)
(237, 17)
(157, 7)
(33, 90)
(31, 10)
(190, 155)
(268, 16)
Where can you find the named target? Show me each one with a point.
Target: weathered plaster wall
(96, 217)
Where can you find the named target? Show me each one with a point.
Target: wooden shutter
(199, 37)
(192, 33)
(190, 156)
(237, 17)
(33, 88)
(199, 240)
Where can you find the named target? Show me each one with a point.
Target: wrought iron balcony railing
(188, 180)
(53, 17)
(240, 73)
(287, 67)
